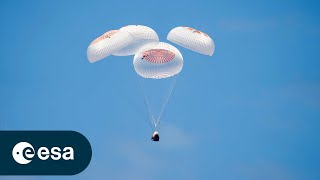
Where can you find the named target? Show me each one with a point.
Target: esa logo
(43, 153)
(23, 153)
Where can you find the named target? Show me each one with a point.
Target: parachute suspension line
(141, 113)
(146, 102)
(151, 122)
(154, 121)
(166, 100)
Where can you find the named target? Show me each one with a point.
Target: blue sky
(251, 111)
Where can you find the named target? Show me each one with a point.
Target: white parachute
(162, 61)
(192, 39)
(156, 63)
(108, 43)
(143, 38)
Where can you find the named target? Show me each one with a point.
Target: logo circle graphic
(23, 152)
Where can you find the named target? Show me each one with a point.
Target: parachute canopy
(162, 61)
(192, 39)
(108, 43)
(143, 38)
